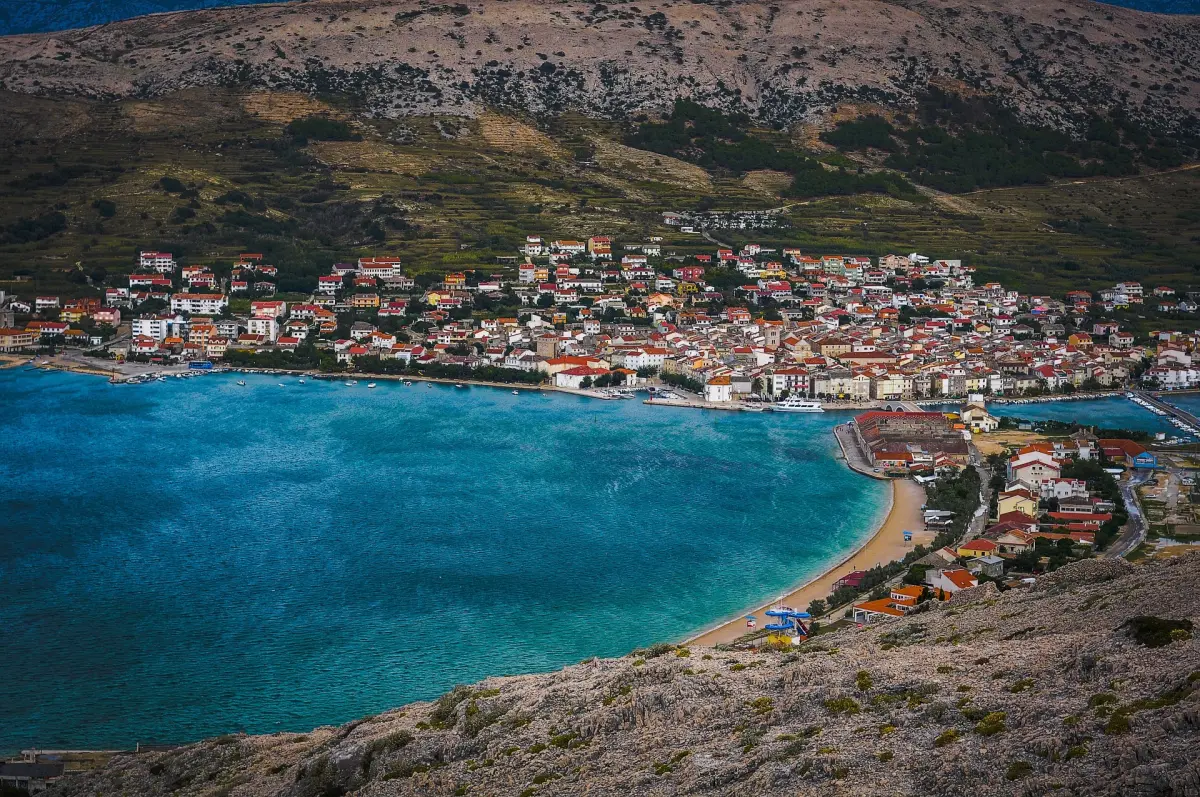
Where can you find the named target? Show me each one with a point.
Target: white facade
(267, 327)
(162, 262)
(152, 327)
(199, 303)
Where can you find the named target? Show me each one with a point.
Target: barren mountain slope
(782, 60)
(1032, 692)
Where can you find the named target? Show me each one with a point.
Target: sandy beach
(884, 546)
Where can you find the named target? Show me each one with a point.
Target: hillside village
(756, 324)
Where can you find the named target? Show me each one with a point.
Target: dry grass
(638, 164)
(767, 182)
(509, 135)
(284, 106)
(999, 442)
(374, 155)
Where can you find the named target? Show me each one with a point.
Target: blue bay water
(1106, 413)
(191, 558)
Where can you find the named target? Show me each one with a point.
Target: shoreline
(884, 545)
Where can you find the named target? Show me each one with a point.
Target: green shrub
(1018, 770)
(1155, 632)
(564, 740)
(843, 705)
(947, 737)
(762, 705)
(863, 680)
(445, 709)
(320, 128)
(992, 724)
(884, 755)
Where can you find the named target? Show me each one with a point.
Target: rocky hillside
(783, 60)
(1054, 690)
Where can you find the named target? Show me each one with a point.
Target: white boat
(752, 408)
(796, 404)
(241, 383)
(352, 383)
(281, 384)
(302, 381)
(459, 384)
(516, 392)
(407, 383)
(370, 384)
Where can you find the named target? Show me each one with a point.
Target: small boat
(407, 383)
(459, 384)
(302, 381)
(352, 383)
(281, 384)
(241, 383)
(516, 392)
(370, 384)
(752, 408)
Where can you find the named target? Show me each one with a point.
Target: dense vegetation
(956, 143)
(320, 128)
(720, 141)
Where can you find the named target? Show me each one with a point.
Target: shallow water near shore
(190, 558)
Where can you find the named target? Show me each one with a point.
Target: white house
(951, 580)
(268, 327)
(162, 262)
(1034, 468)
(574, 377)
(199, 303)
(719, 389)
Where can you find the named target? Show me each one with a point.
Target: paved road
(1134, 533)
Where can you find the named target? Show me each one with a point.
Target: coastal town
(743, 329)
(920, 355)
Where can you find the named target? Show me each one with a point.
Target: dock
(1169, 409)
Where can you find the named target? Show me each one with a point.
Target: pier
(1171, 410)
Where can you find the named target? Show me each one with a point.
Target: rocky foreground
(782, 61)
(1057, 689)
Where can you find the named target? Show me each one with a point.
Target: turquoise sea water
(1108, 413)
(191, 557)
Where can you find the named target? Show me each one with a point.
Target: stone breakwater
(1027, 692)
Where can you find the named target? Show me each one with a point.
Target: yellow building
(1017, 501)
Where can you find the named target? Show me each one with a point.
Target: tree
(817, 608)
(586, 382)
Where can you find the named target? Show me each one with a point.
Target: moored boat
(797, 404)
